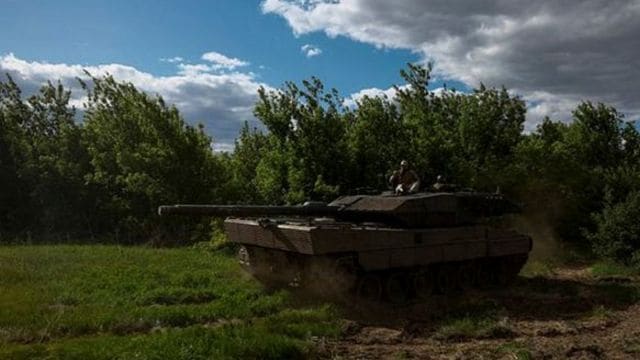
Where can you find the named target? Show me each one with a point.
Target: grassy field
(109, 302)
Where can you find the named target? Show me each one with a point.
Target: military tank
(380, 247)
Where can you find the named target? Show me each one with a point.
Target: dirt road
(566, 314)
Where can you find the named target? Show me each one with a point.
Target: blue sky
(553, 54)
(140, 32)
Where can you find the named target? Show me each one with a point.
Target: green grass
(611, 269)
(535, 268)
(631, 346)
(600, 312)
(473, 327)
(475, 320)
(86, 302)
(514, 350)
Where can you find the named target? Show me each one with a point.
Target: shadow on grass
(559, 299)
(490, 313)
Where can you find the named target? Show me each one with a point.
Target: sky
(210, 57)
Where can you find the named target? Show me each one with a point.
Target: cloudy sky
(209, 57)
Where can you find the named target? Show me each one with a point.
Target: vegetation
(514, 350)
(111, 302)
(101, 178)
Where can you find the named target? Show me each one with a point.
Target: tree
(306, 128)
(43, 162)
(143, 155)
(376, 140)
(617, 234)
(14, 192)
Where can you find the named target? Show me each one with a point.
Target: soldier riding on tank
(404, 180)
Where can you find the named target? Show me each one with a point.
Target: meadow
(113, 302)
(117, 302)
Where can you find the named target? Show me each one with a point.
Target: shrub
(617, 233)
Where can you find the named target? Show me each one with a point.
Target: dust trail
(546, 243)
(537, 221)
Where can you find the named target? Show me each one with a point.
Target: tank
(379, 247)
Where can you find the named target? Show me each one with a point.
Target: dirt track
(565, 315)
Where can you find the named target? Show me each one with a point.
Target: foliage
(306, 140)
(105, 175)
(43, 161)
(617, 234)
(143, 155)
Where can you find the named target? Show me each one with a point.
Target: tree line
(101, 178)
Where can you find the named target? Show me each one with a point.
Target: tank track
(340, 274)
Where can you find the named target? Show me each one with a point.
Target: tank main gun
(248, 210)
(420, 210)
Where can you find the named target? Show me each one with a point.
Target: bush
(617, 234)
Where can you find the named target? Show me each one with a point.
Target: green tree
(44, 159)
(308, 132)
(617, 233)
(14, 215)
(143, 155)
(377, 141)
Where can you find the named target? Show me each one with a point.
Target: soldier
(405, 180)
(440, 184)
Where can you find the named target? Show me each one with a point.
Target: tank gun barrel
(247, 210)
(408, 211)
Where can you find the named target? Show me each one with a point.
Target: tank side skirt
(318, 240)
(382, 248)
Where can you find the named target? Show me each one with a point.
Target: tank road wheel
(502, 276)
(483, 274)
(369, 287)
(271, 268)
(508, 268)
(423, 284)
(344, 274)
(396, 288)
(244, 258)
(248, 259)
(336, 276)
(447, 279)
(466, 276)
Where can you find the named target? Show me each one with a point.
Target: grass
(631, 346)
(535, 268)
(480, 320)
(109, 302)
(473, 327)
(514, 350)
(611, 269)
(600, 312)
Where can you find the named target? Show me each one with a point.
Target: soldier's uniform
(405, 180)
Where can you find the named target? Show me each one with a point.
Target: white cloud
(353, 99)
(567, 50)
(221, 101)
(310, 50)
(388, 94)
(222, 62)
(194, 69)
(172, 60)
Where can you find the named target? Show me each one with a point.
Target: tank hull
(377, 262)
(379, 247)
